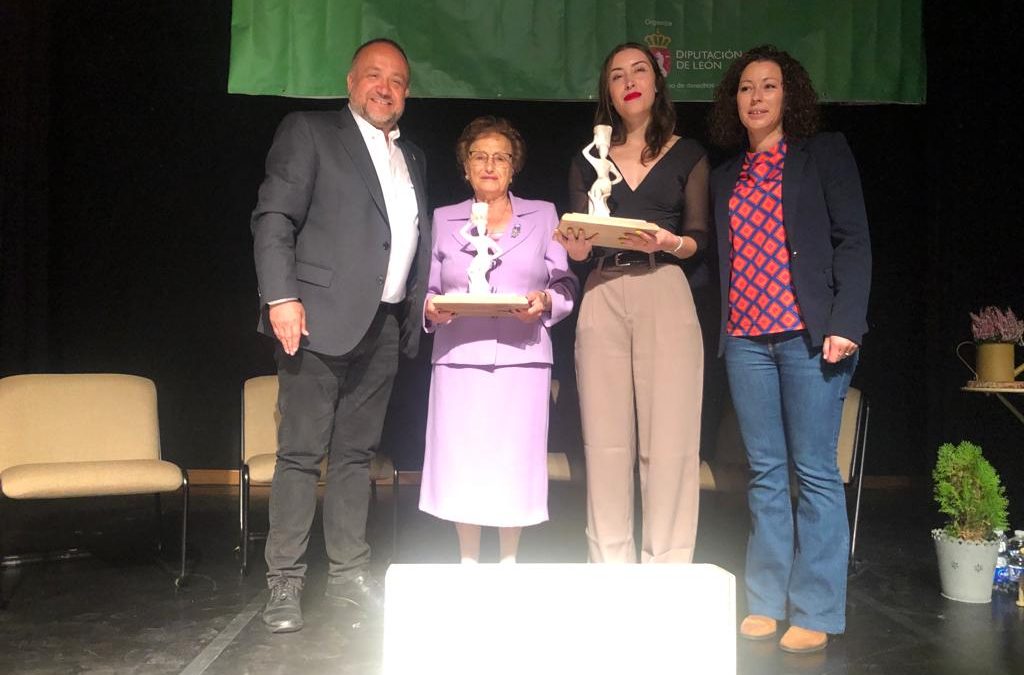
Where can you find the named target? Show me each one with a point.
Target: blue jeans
(789, 404)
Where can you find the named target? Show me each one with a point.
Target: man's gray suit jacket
(321, 232)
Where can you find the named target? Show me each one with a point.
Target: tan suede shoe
(799, 640)
(758, 627)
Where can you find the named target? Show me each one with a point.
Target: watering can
(993, 361)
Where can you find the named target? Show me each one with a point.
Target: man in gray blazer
(342, 247)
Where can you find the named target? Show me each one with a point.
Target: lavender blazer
(530, 261)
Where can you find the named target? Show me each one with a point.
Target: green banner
(864, 51)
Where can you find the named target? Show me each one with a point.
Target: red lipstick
(632, 95)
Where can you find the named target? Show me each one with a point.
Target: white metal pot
(965, 567)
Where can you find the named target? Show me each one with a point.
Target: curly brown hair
(663, 113)
(799, 99)
(485, 126)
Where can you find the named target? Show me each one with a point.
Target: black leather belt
(633, 258)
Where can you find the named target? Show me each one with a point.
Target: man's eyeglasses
(502, 159)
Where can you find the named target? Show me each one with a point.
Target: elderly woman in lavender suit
(487, 427)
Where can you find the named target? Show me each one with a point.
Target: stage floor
(119, 612)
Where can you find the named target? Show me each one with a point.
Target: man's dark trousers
(335, 405)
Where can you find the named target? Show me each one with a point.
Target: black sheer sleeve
(695, 219)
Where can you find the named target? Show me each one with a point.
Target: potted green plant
(970, 494)
(995, 333)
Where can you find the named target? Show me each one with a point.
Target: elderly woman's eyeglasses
(502, 159)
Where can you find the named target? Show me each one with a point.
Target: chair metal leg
(159, 523)
(862, 446)
(243, 515)
(3, 600)
(180, 581)
(394, 515)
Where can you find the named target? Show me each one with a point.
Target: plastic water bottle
(1000, 579)
(1015, 560)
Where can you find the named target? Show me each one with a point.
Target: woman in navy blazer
(795, 266)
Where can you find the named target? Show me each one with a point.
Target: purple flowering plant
(992, 324)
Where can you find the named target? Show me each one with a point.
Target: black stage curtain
(129, 175)
(24, 186)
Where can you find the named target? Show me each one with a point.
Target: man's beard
(381, 121)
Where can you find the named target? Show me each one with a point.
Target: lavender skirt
(487, 442)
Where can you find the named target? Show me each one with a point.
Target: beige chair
(86, 435)
(258, 457)
(728, 471)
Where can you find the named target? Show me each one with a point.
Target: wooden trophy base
(606, 231)
(495, 304)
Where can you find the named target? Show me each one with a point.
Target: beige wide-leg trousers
(639, 369)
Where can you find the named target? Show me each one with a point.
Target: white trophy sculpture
(480, 301)
(602, 187)
(486, 249)
(598, 225)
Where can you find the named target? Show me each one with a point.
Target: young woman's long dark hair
(663, 113)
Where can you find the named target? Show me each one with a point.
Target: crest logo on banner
(658, 43)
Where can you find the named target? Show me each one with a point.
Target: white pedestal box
(559, 618)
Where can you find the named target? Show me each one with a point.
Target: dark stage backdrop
(129, 175)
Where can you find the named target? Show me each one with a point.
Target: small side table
(1000, 393)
